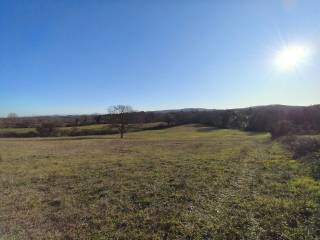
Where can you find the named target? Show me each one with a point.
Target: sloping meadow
(187, 182)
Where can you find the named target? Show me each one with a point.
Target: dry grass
(188, 182)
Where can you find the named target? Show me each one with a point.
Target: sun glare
(291, 57)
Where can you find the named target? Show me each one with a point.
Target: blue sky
(66, 57)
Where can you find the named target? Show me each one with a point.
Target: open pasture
(186, 182)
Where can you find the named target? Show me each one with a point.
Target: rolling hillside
(186, 182)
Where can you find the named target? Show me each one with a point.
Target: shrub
(10, 134)
(302, 145)
(47, 129)
(282, 128)
(307, 150)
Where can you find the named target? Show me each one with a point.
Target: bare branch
(120, 117)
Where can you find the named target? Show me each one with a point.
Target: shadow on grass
(203, 128)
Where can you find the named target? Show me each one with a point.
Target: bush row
(49, 130)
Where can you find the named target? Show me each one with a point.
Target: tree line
(277, 119)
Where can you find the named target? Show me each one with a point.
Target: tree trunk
(121, 130)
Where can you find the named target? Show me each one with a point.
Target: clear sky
(73, 56)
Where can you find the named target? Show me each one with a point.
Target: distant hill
(183, 110)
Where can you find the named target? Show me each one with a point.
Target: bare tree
(170, 119)
(120, 117)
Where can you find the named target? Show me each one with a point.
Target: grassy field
(17, 130)
(187, 182)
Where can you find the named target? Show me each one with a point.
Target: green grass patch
(17, 130)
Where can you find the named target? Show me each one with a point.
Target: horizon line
(159, 110)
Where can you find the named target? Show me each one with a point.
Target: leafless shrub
(47, 129)
(302, 145)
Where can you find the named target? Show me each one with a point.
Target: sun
(291, 57)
